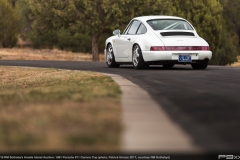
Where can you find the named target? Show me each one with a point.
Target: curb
(147, 127)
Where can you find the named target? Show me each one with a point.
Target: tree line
(83, 25)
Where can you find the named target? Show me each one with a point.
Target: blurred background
(79, 26)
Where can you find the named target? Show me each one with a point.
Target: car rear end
(178, 43)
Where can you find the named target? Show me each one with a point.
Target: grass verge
(58, 110)
(44, 54)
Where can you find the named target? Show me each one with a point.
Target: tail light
(157, 48)
(179, 48)
(205, 48)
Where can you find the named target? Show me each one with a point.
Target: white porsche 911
(157, 40)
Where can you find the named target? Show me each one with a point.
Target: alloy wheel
(109, 55)
(135, 56)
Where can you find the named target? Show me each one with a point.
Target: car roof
(145, 18)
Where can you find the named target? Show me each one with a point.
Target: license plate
(184, 58)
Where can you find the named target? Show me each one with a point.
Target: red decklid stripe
(179, 48)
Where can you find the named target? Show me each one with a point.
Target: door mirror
(116, 32)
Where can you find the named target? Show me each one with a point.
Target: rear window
(169, 24)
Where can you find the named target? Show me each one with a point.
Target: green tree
(207, 18)
(9, 24)
(93, 18)
(100, 16)
(53, 24)
(25, 13)
(232, 16)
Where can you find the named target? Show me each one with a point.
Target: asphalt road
(205, 103)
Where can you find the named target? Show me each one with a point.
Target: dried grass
(236, 63)
(44, 54)
(57, 110)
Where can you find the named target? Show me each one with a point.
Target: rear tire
(110, 59)
(199, 65)
(137, 58)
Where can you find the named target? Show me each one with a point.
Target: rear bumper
(149, 56)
